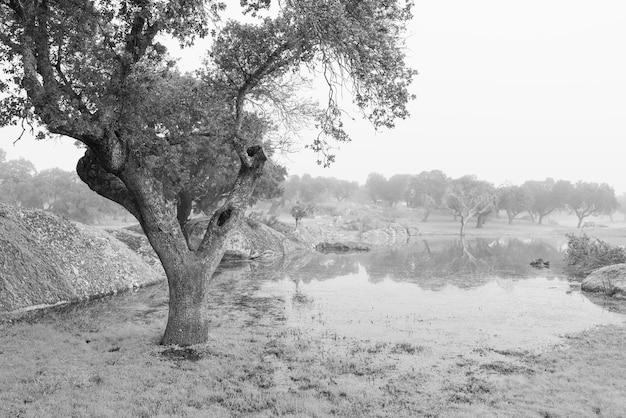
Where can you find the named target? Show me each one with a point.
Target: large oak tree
(93, 70)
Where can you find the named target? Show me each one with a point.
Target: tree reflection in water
(433, 263)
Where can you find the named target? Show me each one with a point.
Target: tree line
(466, 197)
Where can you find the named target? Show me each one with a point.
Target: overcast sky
(508, 91)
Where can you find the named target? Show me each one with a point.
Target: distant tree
(311, 189)
(488, 210)
(64, 194)
(53, 190)
(622, 204)
(376, 184)
(467, 198)
(587, 199)
(396, 188)
(426, 190)
(15, 181)
(514, 200)
(291, 188)
(341, 189)
(547, 196)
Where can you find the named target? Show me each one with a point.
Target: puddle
(520, 314)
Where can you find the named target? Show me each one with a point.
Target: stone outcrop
(46, 260)
(391, 234)
(252, 239)
(341, 247)
(610, 280)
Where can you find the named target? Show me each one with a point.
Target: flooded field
(419, 330)
(427, 295)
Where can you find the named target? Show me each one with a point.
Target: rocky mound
(390, 234)
(47, 260)
(250, 240)
(610, 280)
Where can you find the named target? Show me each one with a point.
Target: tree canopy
(467, 197)
(586, 199)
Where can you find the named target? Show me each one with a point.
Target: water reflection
(501, 313)
(430, 294)
(433, 263)
(438, 293)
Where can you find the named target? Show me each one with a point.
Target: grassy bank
(102, 360)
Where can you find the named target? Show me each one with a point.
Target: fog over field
(505, 91)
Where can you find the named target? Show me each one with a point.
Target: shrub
(585, 254)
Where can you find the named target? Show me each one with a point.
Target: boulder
(392, 233)
(341, 247)
(252, 239)
(610, 280)
(46, 260)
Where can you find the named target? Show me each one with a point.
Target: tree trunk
(189, 272)
(463, 224)
(187, 321)
(480, 220)
(425, 218)
(510, 215)
(540, 219)
(188, 281)
(580, 221)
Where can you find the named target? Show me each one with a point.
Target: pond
(444, 295)
(430, 295)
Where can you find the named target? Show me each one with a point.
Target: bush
(585, 254)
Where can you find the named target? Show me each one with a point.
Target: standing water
(429, 294)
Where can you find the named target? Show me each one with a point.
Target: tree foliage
(391, 190)
(53, 190)
(586, 199)
(426, 190)
(514, 200)
(547, 196)
(341, 189)
(467, 197)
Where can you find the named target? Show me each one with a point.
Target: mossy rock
(610, 280)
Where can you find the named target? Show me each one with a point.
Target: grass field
(73, 365)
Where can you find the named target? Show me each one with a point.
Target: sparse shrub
(585, 254)
(299, 211)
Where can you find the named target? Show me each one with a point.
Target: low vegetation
(586, 254)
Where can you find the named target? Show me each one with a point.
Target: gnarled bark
(188, 281)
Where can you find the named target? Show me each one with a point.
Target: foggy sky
(508, 91)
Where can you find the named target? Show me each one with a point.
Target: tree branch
(236, 203)
(106, 184)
